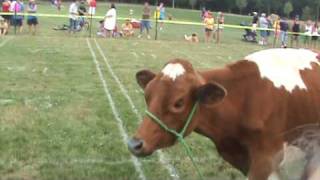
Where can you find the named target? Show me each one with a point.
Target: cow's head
(170, 95)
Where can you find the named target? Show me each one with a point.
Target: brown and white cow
(245, 108)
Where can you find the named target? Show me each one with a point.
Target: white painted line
(4, 42)
(162, 158)
(115, 112)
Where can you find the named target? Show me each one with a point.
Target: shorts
(208, 30)
(17, 21)
(32, 21)
(254, 27)
(263, 33)
(92, 10)
(145, 24)
(7, 17)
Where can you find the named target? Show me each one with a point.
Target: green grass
(56, 122)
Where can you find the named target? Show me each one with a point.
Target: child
(193, 38)
(100, 32)
(3, 26)
(209, 26)
(127, 29)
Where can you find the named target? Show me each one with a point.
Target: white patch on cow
(173, 70)
(282, 66)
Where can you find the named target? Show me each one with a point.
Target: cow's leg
(263, 160)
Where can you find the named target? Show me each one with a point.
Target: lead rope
(180, 135)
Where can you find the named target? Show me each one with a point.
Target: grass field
(65, 102)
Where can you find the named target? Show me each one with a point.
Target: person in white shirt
(110, 20)
(73, 16)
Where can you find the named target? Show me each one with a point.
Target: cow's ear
(144, 77)
(210, 93)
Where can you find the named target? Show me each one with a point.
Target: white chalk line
(115, 112)
(4, 42)
(162, 158)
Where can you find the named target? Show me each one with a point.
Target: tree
(306, 12)
(288, 8)
(192, 3)
(241, 4)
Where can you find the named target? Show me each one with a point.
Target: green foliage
(288, 8)
(192, 3)
(241, 4)
(307, 12)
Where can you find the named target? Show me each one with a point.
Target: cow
(245, 108)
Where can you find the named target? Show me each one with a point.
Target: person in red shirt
(6, 9)
(92, 7)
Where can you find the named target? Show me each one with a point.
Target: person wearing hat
(32, 20)
(255, 21)
(209, 26)
(264, 24)
(3, 26)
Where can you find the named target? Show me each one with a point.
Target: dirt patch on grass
(79, 111)
(14, 114)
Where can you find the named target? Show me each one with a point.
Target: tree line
(307, 9)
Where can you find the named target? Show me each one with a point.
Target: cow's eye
(179, 104)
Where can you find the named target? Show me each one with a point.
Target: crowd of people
(15, 7)
(261, 24)
(281, 27)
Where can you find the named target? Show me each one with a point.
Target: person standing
(145, 21)
(307, 33)
(284, 27)
(296, 31)
(6, 9)
(32, 20)
(255, 22)
(73, 15)
(220, 20)
(17, 19)
(276, 27)
(263, 23)
(314, 35)
(82, 10)
(110, 20)
(162, 15)
(92, 7)
(209, 26)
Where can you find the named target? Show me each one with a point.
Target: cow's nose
(135, 145)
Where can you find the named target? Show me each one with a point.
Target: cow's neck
(232, 78)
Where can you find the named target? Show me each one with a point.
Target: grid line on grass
(5, 41)
(162, 158)
(115, 112)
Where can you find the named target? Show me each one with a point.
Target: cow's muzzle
(135, 146)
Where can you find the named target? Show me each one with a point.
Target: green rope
(180, 135)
